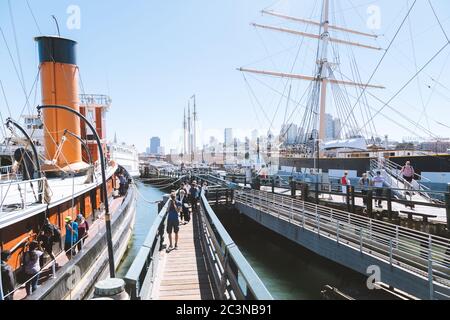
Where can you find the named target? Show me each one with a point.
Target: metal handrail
(143, 268)
(227, 262)
(24, 187)
(422, 253)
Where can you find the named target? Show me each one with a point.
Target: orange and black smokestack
(59, 78)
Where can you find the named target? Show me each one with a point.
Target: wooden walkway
(182, 274)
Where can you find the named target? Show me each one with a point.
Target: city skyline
(204, 61)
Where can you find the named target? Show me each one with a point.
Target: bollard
(226, 197)
(111, 288)
(273, 185)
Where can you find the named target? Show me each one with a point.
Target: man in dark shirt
(173, 222)
(8, 280)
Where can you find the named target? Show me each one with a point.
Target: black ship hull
(421, 164)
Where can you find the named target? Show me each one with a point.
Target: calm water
(145, 215)
(288, 271)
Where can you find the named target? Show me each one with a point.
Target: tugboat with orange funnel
(71, 179)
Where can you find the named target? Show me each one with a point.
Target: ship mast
(184, 131)
(323, 77)
(194, 137)
(323, 69)
(189, 128)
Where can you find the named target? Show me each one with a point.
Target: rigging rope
(384, 56)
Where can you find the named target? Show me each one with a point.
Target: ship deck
(15, 193)
(61, 259)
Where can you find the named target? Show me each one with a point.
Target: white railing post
(430, 268)
(370, 229)
(54, 269)
(318, 223)
(25, 197)
(337, 231)
(390, 251)
(396, 237)
(292, 209)
(361, 240)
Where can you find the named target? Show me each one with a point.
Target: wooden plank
(185, 275)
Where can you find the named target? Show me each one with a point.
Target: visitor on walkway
(71, 237)
(194, 193)
(173, 222)
(8, 280)
(32, 267)
(205, 189)
(378, 183)
(122, 182)
(345, 183)
(45, 240)
(83, 230)
(185, 216)
(408, 173)
(364, 184)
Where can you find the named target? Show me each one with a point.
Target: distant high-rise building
(161, 151)
(329, 133)
(155, 143)
(337, 127)
(228, 137)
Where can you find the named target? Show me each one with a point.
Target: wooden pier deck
(183, 274)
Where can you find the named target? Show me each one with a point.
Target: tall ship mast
(355, 142)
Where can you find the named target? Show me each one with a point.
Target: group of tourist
(33, 258)
(378, 183)
(181, 204)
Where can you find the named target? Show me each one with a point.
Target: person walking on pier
(364, 184)
(205, 189)
(8, 280)
(32, 267)
(378, 183)
(71, 237)
(194, 193)
(184, 214)
(83, 229)
(345, 183)
(173, 222)
(408, 173)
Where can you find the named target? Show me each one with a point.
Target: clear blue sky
(151, 56)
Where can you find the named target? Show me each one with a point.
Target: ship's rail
(16, 195)
(95, 99)
(6, 172)
(233, 276)
(423, 254)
